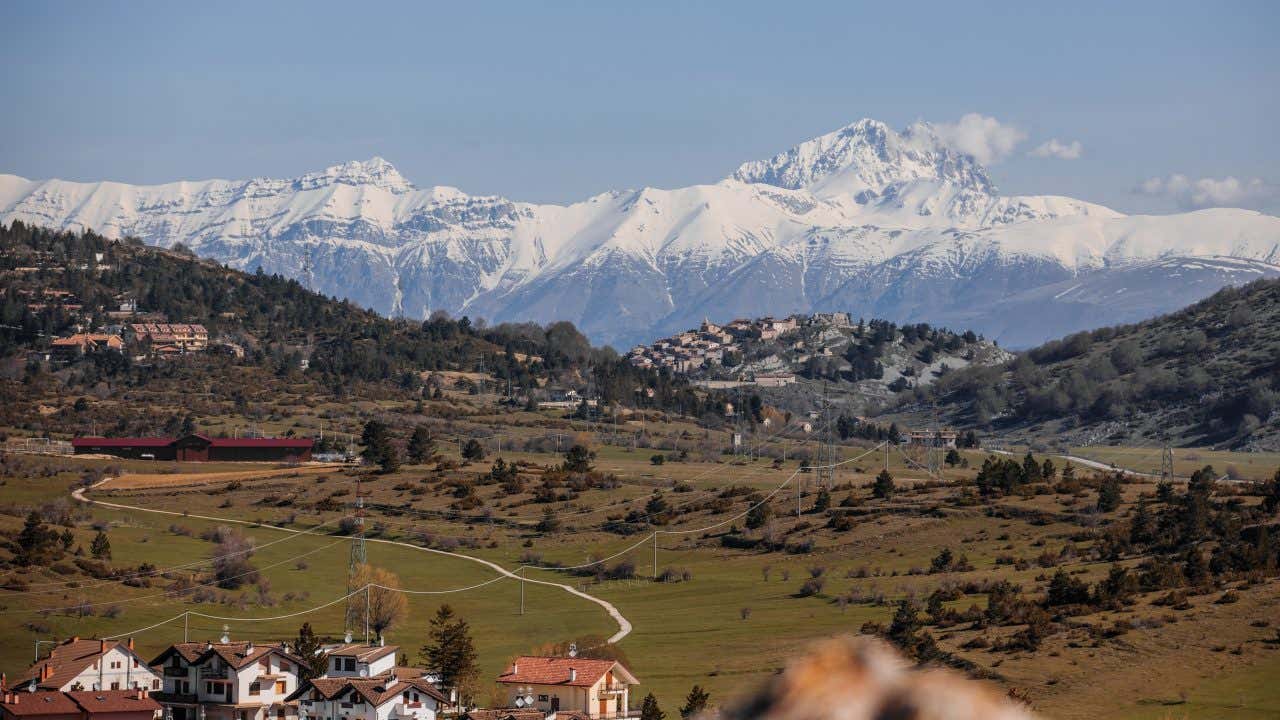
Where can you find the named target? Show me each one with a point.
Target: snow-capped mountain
(865, 219)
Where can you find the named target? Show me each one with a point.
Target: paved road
(624, 625)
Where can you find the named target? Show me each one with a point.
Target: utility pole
(520, 572)
(655, 555)
(368, 602)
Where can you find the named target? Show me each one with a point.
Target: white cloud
(1056, 149)
(1209, 192)
(985, 138)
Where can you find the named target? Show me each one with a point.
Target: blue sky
(558, 101)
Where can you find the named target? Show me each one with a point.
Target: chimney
(515, 668)
(103, 645)
(130, 643)
(573, 675)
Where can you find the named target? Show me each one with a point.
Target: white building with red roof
(84, 664)
(598, 689)
(228, 681)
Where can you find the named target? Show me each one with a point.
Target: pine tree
(100, 548)
(38, 544)
(306, 646)
(422, 445)
(1109, 494)
(472, 450)
(883, 487)
(906, 621)
(823, 501)
(577, 459)
(1030, 469)
(378, 447)
(1140, 525)
(450, 653)
(759, 516)
(649, 709)
(695, 702)
(1047, 470)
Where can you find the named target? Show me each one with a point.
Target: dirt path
(624, 625)
(136, 481)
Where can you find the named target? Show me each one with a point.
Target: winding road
(624, 625)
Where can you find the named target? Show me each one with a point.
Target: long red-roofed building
(198, 448)
(79, 705)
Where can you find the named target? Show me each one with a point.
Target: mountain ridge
(864, 219)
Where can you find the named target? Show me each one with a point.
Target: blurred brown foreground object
(864, 679)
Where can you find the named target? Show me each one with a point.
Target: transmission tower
(827, 448)
(1166, 463)
(359, 556)
(933, 448)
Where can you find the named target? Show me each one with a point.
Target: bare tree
(383, 602)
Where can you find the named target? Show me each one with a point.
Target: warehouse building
(198, 448)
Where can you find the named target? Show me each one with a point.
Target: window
(115, 686)
(155, 684)
(350, 664)
(135, 662)
(255, 688)
(279, 687)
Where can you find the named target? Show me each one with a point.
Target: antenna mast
(359, 556)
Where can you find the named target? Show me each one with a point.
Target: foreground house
(198, 448)
(594, 688)
(385, 697)
(228, 681)
(83, 664)
(80, 705)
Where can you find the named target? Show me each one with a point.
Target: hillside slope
(865, 219)
(1205, 375)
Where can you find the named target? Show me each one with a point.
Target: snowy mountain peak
(867, 160)
(376, 172)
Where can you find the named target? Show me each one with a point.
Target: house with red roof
(362, 682)
(228, 681)
(85, 664)
(598, 689)
(79, 705)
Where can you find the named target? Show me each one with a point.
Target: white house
(386, 697)
(78, 664)
(359, 660)
(599, 689)
(228, 681)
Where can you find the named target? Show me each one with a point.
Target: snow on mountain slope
(863, 219)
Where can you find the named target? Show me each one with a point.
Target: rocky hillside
(890, 224)
(1205, 375)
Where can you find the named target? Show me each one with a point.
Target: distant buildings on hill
(712, 344)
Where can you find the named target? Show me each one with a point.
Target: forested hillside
(1206, 375)
(56, 284)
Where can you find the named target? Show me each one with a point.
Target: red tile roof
(121, 442)
(25, 704)
(529, 670)
(235, 654)
(115, 701)
(93, 702)
(67, 660)
(376, 690)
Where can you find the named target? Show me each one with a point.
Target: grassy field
(733, 622)
(1241, 466)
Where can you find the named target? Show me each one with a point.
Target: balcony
(613, 689)
(175, 672)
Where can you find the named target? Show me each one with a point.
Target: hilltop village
(875, 358)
